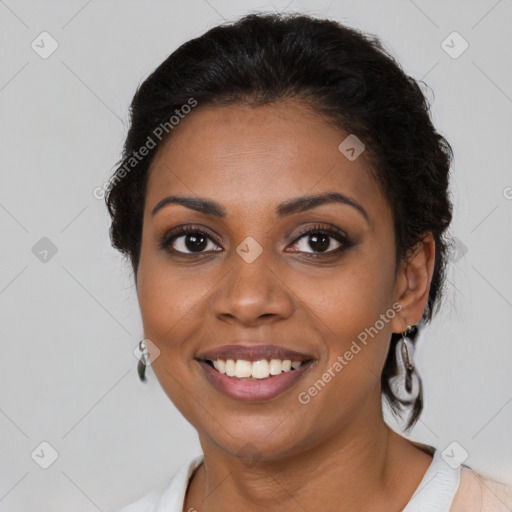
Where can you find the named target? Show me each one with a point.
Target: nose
(252, 293)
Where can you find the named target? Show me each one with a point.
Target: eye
(321, 240)
(186, 240)
(189, 240)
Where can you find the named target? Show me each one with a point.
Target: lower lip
(254, 390)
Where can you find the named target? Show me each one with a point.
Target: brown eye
(319, 242)
(322, 241)
(193, 242)
(187, 240)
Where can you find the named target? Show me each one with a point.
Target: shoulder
(168, 497)
(480, 493)
(150, 502)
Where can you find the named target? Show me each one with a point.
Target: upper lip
(252, 352)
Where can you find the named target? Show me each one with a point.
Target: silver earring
(406, 361)
(143, 361)
(405, 385)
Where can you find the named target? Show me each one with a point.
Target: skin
(335, 453)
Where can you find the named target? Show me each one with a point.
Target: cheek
(166, 294)
(352, 308)
(351, 297)
(170, 306)
(164, 299)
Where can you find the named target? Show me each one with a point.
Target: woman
(283, 201)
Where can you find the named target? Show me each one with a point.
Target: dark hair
(348, 77)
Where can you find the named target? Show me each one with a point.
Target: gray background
(69, 324)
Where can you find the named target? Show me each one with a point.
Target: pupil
(193, 242)
(320, 247)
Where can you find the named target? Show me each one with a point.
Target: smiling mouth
(241, 369)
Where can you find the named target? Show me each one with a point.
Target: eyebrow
(289, 207)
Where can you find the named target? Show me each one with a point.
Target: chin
(255, 440)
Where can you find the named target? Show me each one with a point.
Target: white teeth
(230, 368)
(286, 365)
(243, 369)
(275, 366)
(220, 365)
(262, 369)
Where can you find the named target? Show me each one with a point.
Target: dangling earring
(143, 361)
(409, 367)
(405, 385)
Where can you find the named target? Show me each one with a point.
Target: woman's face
(254, 278)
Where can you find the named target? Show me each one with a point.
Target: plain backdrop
(69, 314)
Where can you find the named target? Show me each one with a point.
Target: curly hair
(348, 77)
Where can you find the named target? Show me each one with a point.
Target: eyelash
(168, 239)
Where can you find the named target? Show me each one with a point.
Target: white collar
(437, 489)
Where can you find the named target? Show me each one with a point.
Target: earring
(404, 351)
(143, 361)
(405, 385)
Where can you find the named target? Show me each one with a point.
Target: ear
(413, 283)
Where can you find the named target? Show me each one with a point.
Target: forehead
(244, 156)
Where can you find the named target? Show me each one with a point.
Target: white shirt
(435, 493)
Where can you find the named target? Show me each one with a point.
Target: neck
(353, 470)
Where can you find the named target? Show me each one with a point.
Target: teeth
(286, 365)
(276, 366)
(243, 369)
(220, 365)
(230, 368)
(262, 369)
